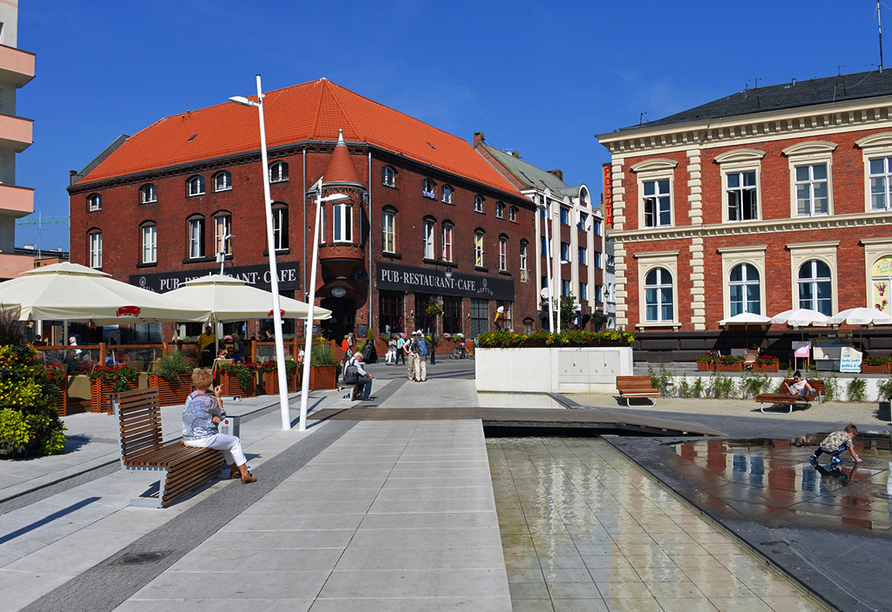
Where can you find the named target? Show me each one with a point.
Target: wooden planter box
(99, 392)
(62, 398)
(766, 367)
(172, 394)
(883, 368)
(271, 383)
(728, 367)
(323, 377)
(230, 385)
(705, 366)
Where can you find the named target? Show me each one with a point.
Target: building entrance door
(343, 317)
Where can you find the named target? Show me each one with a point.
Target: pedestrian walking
(410, 357)
(400, 353)
(391, 351)
(419, 348)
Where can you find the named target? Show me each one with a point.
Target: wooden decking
(594, 419)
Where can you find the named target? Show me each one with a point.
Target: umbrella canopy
(801, 317)
(231, 299)
(861, 316)
(72, 292)
(745, 318)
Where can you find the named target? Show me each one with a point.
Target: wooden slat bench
(791, 401)
(142, 448)
(636, 386)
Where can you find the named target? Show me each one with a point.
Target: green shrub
(831, 388)
(753, 384)
(885, 390)
(697, 387)
(683, 389)
(857, 390)
(172, 365)
(507, 339)
(722, 386)
(662, 382)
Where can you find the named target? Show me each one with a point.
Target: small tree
(567, 309)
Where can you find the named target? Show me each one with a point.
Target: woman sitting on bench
(201, 416)
(799, 387)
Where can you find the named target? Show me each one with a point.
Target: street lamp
(311, 300)
(271, 246)
(543, 207)
(221, 254)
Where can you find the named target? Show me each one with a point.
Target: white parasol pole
(308, 327)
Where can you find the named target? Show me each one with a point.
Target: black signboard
(255, 276)
(395, 277)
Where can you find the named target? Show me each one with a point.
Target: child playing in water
(835, 444)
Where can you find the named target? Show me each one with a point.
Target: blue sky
(540, 78)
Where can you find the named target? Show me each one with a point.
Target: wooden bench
(142, 448)
(636, 386)
(774, 399)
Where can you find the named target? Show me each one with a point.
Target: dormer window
(429, 189)
(195, 186)
(388, 176)
(223, 181)
(447, 194)
(94, 202)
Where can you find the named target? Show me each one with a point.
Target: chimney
(557, 173)
(478, 139)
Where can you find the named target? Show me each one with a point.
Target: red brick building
(156, 208)
(766, 200)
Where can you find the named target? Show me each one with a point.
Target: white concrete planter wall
(552, 370)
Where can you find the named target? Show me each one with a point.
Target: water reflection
(769, 478)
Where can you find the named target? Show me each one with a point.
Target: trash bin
(229, 426)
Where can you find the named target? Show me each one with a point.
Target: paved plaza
(434, 514)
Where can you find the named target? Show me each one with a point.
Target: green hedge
(506, 339)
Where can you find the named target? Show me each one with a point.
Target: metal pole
(273, 272)
(308, 327)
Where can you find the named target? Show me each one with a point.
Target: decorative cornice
(739, 155)
(810, 147)
(744, 229)
(656, 163)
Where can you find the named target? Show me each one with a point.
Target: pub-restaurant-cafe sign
(255, 276)
(395, 277)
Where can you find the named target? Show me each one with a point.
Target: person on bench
(201, 415)
(364, 379)
(799, 387)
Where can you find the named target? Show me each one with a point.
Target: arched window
(658, 295)
(448, 230)
(428, 188)
(148, 240)
(94, 238)
(478, 248)
(195, 186)
(147, 194)
(388, 176)
(278, 172)
(815, 288)
(478, 204)
(223, 181)
(280, 223)
(500, 209)
(94, 202)
(512, 214)
(388, 230)
(503, 253)
(523, 255)
(428, 238)
(223, 233)
(447, 194)
(744, 289)
(195, 236)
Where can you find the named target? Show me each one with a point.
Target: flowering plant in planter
(763, 360)
(506, 339)
(245, 373)
(270, 366)
(729, 359)
(55, 375)
(877, 361)
(706, 357)
(119, 374)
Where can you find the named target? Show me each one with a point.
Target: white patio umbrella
(72, 292)
(861, 316)
(746, 319)
(231, 299)
(801, 317)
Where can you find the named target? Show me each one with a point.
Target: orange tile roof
(313, 111)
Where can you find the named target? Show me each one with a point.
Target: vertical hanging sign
(608, 195)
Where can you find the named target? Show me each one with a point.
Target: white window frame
(734, 256)
(823, 251)
(429, 189)
(149, 243)
(223, 181)
(342, 222)
(448, 192)
(566, 287)
(478, 249)
(388, 231)
(500, 209)
(583, 291)
(512, 214)
(524, 249)
(322, 225)
(736, 162)
(95, 239)
(653, 171)
(94, 202)
(810, 153)
(196, 237)
(565, 252)
(873, 147)
(280, 228)
(427, 238)
(278, 172)
(479, 203)
(647, 262)
(582, 254)
(148, 194)
(388, 176)
(448, 231)
(503, 254)
(222, 228)
(195, 186)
